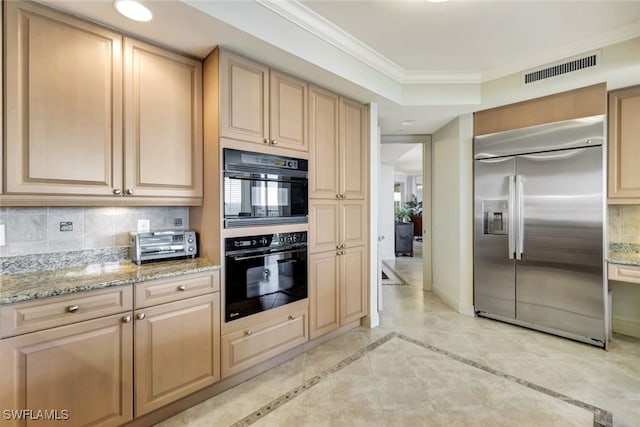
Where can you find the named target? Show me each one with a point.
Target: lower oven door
(258, 282)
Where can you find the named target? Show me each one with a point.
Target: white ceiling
(417, 60)
(405, 158)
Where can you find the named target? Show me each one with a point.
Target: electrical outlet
(144, 225)
(66, 226)
(177, 222)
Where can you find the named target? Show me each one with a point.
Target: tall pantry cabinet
(338, 213)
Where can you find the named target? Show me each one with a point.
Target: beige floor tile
(401, 383)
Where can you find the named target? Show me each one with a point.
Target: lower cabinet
(337, 289)
(77, 360)
(278, 330)
(80, 373)
(177, 348)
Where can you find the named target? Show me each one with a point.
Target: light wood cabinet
(337, 224)
(21, 318)
(338, 211)
(85, 368)
(624, 145)
(64, 104)
(338, 149)
(177, 350)
(163, 122)
(71, 96)
(337, 289)
(273, 332)
(353, 284)
(324, 150)
(261, 105)
(324, 293)
(624, 273)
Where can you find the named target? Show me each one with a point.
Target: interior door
(493, 268)
(559, 282)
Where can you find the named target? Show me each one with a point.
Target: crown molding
(310, 21)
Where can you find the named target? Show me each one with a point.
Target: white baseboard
(626, 326)
(467, 310)
(445, 297)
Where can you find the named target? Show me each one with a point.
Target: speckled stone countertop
(42, 284)
(624, 253)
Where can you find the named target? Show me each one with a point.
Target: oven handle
(242, 258)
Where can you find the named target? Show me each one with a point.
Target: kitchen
(111, 216)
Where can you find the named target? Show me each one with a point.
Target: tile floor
(429, 366)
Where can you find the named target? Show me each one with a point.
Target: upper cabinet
(63, 104)
(338, 147)
(163, 122)
(261, 105)
(624, 145)
(85, 124)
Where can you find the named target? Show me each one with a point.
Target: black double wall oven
(264, 271)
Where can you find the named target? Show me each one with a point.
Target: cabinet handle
(266, 140)
(292, 317)
(343, 196)
(129, 191)
(126, 319)
(337, 196)
(340, 253)
(274, 142)
(248, 332)
(117, 191)
(182, 288)
(141, 316)
(73, 308)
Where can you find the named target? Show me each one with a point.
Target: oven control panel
(266, 241)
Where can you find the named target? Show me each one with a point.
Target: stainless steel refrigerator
(539, 210)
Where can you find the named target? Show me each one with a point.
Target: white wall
(452, 214)
(386, 215)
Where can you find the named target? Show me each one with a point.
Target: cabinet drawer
(624, 273)
(250, 346)
(177, 288)
(17, 319)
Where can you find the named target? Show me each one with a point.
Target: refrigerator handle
(511, 218)
(520, 219)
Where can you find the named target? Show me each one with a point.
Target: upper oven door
(257, 191)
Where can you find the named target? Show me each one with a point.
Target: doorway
(405, 203)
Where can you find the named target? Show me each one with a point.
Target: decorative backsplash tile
(624, 223)
(51, 229)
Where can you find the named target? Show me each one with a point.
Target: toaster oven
(163, 245)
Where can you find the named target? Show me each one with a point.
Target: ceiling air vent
(558, 69)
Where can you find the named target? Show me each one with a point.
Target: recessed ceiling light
(133, 10)
(407, 122)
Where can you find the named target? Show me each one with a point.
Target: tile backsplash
(51, 229)
(624, 223)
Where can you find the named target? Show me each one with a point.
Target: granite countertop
(624, 253)
(42, 284)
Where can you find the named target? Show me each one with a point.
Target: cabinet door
(177, 350)
(163, 122)
(324, 310)
(354, 223)
(624, 145)
(353, 284)
(247, 347)
(244, 99)
(84, 368)
(63, 104)
(323, 225)
(323, 144)
(353, 149)
(288, 112)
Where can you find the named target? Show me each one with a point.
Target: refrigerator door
(559, 271)
(493, 264)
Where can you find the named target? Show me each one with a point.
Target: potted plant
(403, 214)
(415, 213)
